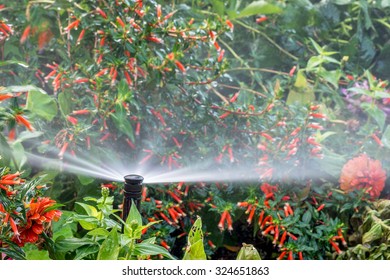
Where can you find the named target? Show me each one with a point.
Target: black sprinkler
(132, 193)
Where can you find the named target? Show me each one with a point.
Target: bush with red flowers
(273, 132)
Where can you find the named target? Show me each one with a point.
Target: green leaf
(85, 180)
(122, 121)
(381, 94)
(5, 151)
(386, 137)
(85, 251)
(133, 225)
(41, 105)
(70, 244)
(341, 2)
(110, 247)
(65, 103)
(300, 81)
(26, 135)
(146, 249)
(332, 77)
(124, 92)
(89, 209)
(377, 114)
(302, 93)
(259, 7)
(13, 62)
(134, 215)
(218, 7)
(306, 218)
(19, 154)
(318, 48)
(195, 247)
(98, 232)
(32, 253)
(332, 163)
(373, 234)
(13, 251)
(248, 252)
(87, 222)
(313, 62)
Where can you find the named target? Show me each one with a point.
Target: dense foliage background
(295, 91)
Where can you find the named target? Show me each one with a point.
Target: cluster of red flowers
(365, 173)
(38, 215)
(40, 211)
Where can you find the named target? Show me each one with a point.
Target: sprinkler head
(133, 179)
(132, 194)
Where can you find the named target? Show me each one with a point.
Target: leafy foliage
(294, 89)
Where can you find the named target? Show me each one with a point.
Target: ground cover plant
(264, 124)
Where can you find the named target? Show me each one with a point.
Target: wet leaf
(248, 252)
(110, 247)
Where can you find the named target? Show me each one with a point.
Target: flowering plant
(25, 214)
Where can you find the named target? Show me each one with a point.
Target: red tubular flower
(365, 173)
(72, 120)
(165, 245)
(101, 12)
(72, 25)
(251, 214)
(22, 120)
(211, 244)
(81, 36)
(282, 255)
(261, 19)
(229, 221)
(220, 56)
(268, 189)
(292, 70)
(320, 207)
(5, 96)
(229, 24)
(25, 34)
(335, 247)
(282, 239)
(222, 220)
(180, 66)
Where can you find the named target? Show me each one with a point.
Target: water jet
(132, 193)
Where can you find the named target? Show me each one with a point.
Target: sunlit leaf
(42, 105)
(195, 248)
(259, 7)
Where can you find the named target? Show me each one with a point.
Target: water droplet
(214, 83)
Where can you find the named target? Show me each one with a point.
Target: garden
(194, 130)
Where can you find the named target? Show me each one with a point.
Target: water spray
(132, 194)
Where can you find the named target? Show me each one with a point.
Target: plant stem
(268, 39)
(257, 69)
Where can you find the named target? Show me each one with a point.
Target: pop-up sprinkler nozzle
(132, 193)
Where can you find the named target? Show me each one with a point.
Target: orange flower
(365, 173)
(268, 189)
(37, 216)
